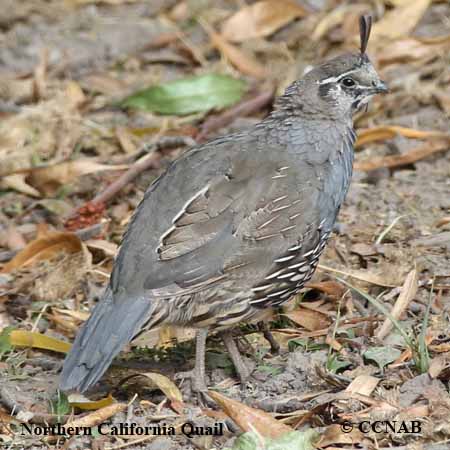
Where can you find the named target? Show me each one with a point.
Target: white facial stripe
(336, 79)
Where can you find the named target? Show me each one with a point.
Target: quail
(235, 226)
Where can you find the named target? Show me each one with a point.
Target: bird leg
(239, 365)
(274, 345)
(197, 374)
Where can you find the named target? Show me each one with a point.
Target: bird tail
(111, 325)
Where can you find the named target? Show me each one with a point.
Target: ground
(76, 156)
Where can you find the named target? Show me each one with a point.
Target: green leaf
(60, 405)
(335, 363)
(269, 369)
(377, 304)
(305, 344)
(5, 341)
(422, 358)
(188, 95)
(382, 355)
(291, 441)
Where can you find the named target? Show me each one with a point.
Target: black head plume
(365, 25)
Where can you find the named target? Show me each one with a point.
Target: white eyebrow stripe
(334, 79)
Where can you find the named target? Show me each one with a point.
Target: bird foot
(243, 372)
(198, 383)
(268, 336)
(198, 387)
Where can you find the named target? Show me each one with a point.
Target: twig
(89, 232)
(374, 302)
(408, 292)
(411, 157)
(131, 442)
(244, 108)
(389, 228)
(151, 160)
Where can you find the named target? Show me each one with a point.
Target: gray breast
(293, 268)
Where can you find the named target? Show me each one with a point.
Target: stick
(150, 160)
(243, 108)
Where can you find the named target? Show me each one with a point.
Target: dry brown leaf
(97, 417)
(441, 222)
(250, 419)
(261, 19)
(335, 345)
(45, 247)
(443, 99)
(126, 140)
(409, 49)
(12, 238)
(103, 83)
(62, 321)
(245, 63)
(437, 365)
(311, 320)
(361, 275)
(330, 287)
(165, 385)
(363, 384)
(18, 142)
(60, 277)
(363, 249)
(440, 348)
(400, 21)
(334, 18)
(108, 248)
(48, 179)
(17, 91)
(390, 131)
(17, 182)
(74, 94)
(39, 131)
(322, 306)
(407, 354)
(334, 434)
(408, 292)
(411, 157)
(5, 429)
(80, 316)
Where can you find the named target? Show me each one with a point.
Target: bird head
(340, 86)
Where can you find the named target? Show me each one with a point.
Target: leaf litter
(74, 163)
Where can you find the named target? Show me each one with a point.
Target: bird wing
(186, 236)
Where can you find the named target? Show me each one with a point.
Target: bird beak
(381, 88)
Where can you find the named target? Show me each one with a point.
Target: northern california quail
(236, 226)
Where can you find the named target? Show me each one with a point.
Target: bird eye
(348, 82)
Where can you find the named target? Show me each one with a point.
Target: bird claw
(198, 387)
(198, 384)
